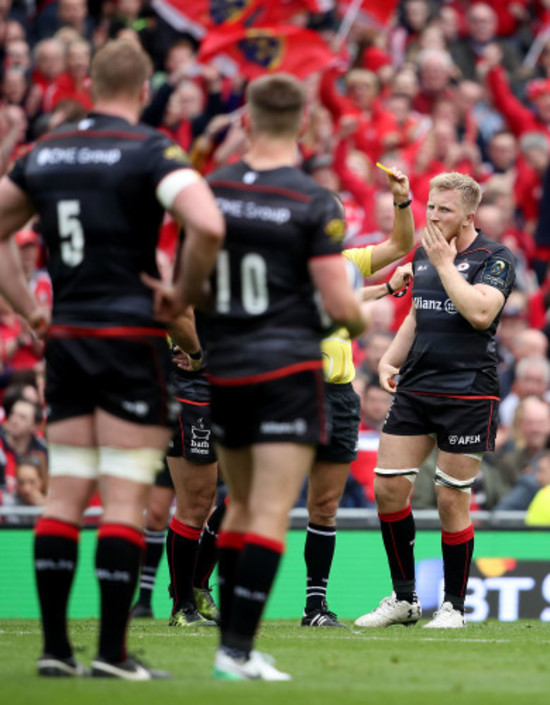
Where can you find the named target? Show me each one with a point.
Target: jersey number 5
(71, 232)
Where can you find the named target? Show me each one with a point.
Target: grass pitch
(490, 662)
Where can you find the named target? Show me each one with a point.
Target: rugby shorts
(345, 415)
(192, 439)
(285, 409)
(460, 424)
(126, 377)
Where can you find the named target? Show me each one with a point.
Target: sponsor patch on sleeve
(176, 153)
(336, 229)
(497, 272)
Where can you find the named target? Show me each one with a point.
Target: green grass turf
(486, 663)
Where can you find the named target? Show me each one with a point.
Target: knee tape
(444, 480)
(136, 464)
(73, 461)
(409, 473)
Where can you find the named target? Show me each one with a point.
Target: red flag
(374, 10)
(271, 12)
(254, 52)
(197, 16)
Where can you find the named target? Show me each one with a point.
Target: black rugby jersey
(93, 184)
(266, 317)
(448, 355)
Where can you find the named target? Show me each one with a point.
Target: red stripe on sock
(231, 539)
(181, 529)
(120, 531)
(271, 544)
(47, 526)
(457, 537)
(396, 516)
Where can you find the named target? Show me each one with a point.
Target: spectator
(532, 379)
(376, 128)
(65, 13)
(524, 491)
(368, 353)
(520, 118)
(481, 31)
(49, 63)
(435, 73)
(74, 83)
(18, 438)
(538, 511)
(502, 153)
(30, 488)
(29, 243)
(530, 434)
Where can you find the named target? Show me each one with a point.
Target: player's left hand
(437, 248)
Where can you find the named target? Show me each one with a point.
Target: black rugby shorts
(127, 378)
(460, 424)
(287, 409)
(345, 415)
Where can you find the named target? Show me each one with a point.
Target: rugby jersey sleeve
(328, 228)
(165, 157)
(498, 271)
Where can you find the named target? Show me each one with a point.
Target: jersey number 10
(253, 278)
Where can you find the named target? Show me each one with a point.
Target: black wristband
(390, 290)
(406, 204)
(196, 355)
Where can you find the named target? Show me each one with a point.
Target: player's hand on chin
(438, 249)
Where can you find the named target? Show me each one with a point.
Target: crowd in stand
(453, 85)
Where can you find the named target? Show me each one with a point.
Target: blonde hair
(469, 189)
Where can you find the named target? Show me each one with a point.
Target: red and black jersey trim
(256, 188)
(68, 331)
(266, 376)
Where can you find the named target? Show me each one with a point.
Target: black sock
(182, 543)
(154, 546)
(398, 533)
(118, 557)
(254, 578)
(318, 554)
(55, 559)
(457, 549)
(230, 546)
(207, 555)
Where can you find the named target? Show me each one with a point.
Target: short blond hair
(470, 190)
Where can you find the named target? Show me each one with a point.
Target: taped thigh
(409, 473)
(136, 464)
(73, 461)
